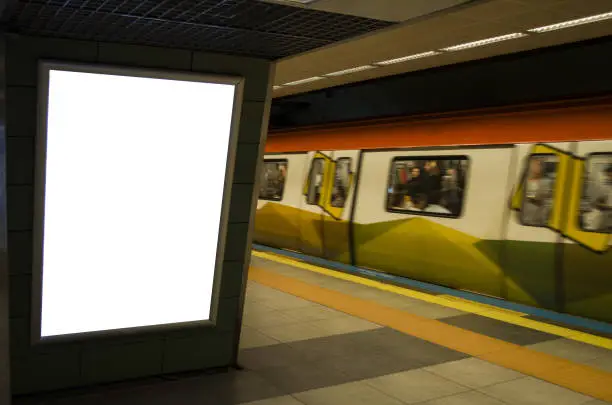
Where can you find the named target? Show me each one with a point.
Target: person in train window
(599, 217)
(451, 192)
(282, 176)
(339, 192)
(433, 181)
(415, 184)
(538, 195)
(421, 203)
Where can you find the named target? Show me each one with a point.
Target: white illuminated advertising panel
(132, 166)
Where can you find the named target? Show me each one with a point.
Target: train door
(337, 205)
(586, 276)
(531, 247)
(277, 220)
(313, 197)
(434, 215)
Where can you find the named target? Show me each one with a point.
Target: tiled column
(4, 324)
(142, 354)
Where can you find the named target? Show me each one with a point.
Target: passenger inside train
(538, 191)
(272, 181)
(341, 183)
(434, 186)
(597, 199)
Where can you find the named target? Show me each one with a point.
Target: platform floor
(313, 337)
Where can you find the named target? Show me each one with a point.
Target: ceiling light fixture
(572, 23)
(484, 42)
(351, 70)
(310, 79)
(407, 58)
(301, 2)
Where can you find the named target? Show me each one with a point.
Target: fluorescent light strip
(572, 23)
(352, 70)
(276, 87)
(298, 1)
(310, 79)
(407, 58)
(484, 42)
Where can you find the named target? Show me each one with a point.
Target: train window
(431, 185)
(596, 201)
(272, 180)
(538, 189)
(316, 181)
(342, 183)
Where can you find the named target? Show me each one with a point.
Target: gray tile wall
(4, 323)
(36, 368)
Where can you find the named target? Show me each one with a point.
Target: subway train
(514, 203)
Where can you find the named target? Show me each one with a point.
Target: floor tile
(280, 355)
(603, 363)
(356, 393)
(269, 319)
(255, 308)
(286, 303)
(295, 332)
(338, 346)
(236, 387)
(314, 313)
(424, 352)
(474, 373)
(499, 330)
(366, 364)
(571, 350)
(284, 400)
(250, 337)
(221, 389)
(416, 386)
(431, 311)
(305, 376)
(344, 324)
(531, 391)
(465, 398)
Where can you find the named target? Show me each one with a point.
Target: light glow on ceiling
(407, 58)
(572, 23)
(484, 42)
(276, 87)
(310, 79)
(351, 70)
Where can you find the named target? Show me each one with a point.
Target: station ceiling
(270, 30)
(445, 34)
(322, 43)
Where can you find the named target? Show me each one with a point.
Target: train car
(513, 203)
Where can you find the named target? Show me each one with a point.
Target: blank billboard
(132, 167)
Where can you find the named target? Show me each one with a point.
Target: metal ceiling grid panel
(243, 27)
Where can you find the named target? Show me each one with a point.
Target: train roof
(562, 121)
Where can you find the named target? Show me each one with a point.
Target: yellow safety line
(508, 316)
(580, 378)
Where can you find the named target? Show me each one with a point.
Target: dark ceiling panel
(570, 71)
(244, 27)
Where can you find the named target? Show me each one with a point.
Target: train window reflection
(342, 183)
(596, 201)
(316, 181)
(538, 190)
(272, 181)
(428, 185)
